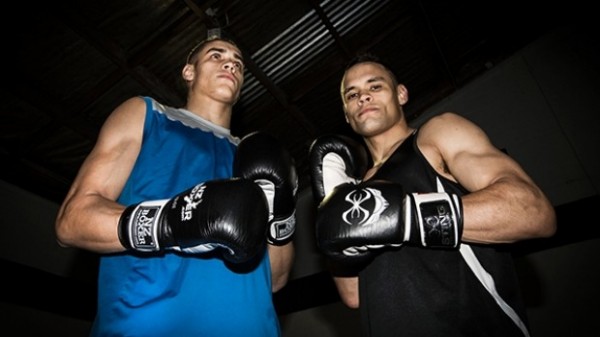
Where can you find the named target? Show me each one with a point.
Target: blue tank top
(171, 294)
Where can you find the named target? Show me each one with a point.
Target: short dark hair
(212, 35)
(371, 58)
(362, 58)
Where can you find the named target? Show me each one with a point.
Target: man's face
(370, 99)
(219, 71)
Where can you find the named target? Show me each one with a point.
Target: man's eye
(375, 87)
(216, 56)
(351, 96)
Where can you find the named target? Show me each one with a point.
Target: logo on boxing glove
(438, 222)
(191, 201)
(367, 205)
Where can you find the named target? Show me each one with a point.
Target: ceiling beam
(280, 96)
(127, 66)
(334, 33)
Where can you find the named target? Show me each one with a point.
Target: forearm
(348, 290)
(281, 259)
(89, 222)
(507, 211)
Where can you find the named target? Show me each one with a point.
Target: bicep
(87, 217)
(506, 205)
(110, 162)
(475, 170)
(470, 156)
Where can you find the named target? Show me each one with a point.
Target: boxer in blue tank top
(159, 275)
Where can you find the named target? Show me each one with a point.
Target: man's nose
(229, 66)
(364, 98)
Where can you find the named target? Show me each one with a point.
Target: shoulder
(130, 110)
(136, 103)
(126, 121)
(450, 124)
(443, 120)
(438, 127)
(451, 133)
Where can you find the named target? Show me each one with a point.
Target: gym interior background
(539, 104)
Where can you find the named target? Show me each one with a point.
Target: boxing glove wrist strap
(281, 231)
(433, 220)
(138, 226)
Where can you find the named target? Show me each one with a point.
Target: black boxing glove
(231, 214)
(262, 159)
(358, 219)
(335, 160)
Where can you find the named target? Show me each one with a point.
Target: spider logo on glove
(367, 205)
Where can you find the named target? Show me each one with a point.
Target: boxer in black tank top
(418, 241)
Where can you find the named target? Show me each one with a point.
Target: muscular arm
(89, 215)
(282, 258)
(504, 205)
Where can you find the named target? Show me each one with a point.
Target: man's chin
(367, 128)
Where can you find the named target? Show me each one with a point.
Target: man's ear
(402, 94)
(188, 72)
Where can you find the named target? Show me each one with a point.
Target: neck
(216, 112)
(378, 162)
(381, 149)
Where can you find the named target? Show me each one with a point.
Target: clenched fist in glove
(357, 219)
(230, 214)
(335, 160)
(262, 159)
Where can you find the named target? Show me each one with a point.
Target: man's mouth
(366, 111)
(228, 76)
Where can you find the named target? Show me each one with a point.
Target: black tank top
(413, 291)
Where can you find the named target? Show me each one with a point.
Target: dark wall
(540, 105)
